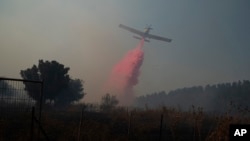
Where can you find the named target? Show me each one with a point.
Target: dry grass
(63, 125)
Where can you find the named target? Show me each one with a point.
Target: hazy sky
(211, 40)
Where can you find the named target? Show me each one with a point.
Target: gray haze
(210, 40)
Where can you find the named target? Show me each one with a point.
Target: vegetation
(6, 89)
(59, 88)
(177, 125)
(108, 103)
(212, 98)
(190, 119)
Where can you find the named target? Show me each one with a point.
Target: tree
(32, 88)
(6, 90)
(73, 93)
(58, 86)
(108, 102)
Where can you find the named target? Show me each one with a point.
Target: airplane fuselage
(144, 34)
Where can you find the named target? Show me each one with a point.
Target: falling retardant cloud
(124, 75)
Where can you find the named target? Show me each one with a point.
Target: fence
(17, 97)
(19, 121)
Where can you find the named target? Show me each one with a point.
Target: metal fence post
(161, 127)
(41, 102)
(80, 126)
(32, 124)
(129, 125)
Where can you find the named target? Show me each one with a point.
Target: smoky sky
(210, 40)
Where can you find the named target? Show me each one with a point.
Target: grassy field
(121, 124)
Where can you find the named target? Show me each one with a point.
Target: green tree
(108, 102)
(57, 83)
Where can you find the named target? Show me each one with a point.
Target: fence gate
(17, 97)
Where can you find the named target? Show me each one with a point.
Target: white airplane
(145, 34)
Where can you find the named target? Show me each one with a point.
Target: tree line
(219, 97)
(61, 89)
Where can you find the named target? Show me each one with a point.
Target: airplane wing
(131, 30)
(158, 38)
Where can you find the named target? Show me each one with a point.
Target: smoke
(124, 75)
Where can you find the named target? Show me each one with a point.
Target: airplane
(144, 34)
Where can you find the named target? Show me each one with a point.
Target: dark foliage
(58, 86)
(144, 125)
(220, 97)
(6, 90)
(74, 92)
(108, 102)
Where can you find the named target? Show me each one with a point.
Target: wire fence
(17, 97)
(20, 121)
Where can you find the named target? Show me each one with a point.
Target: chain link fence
(17, 97)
